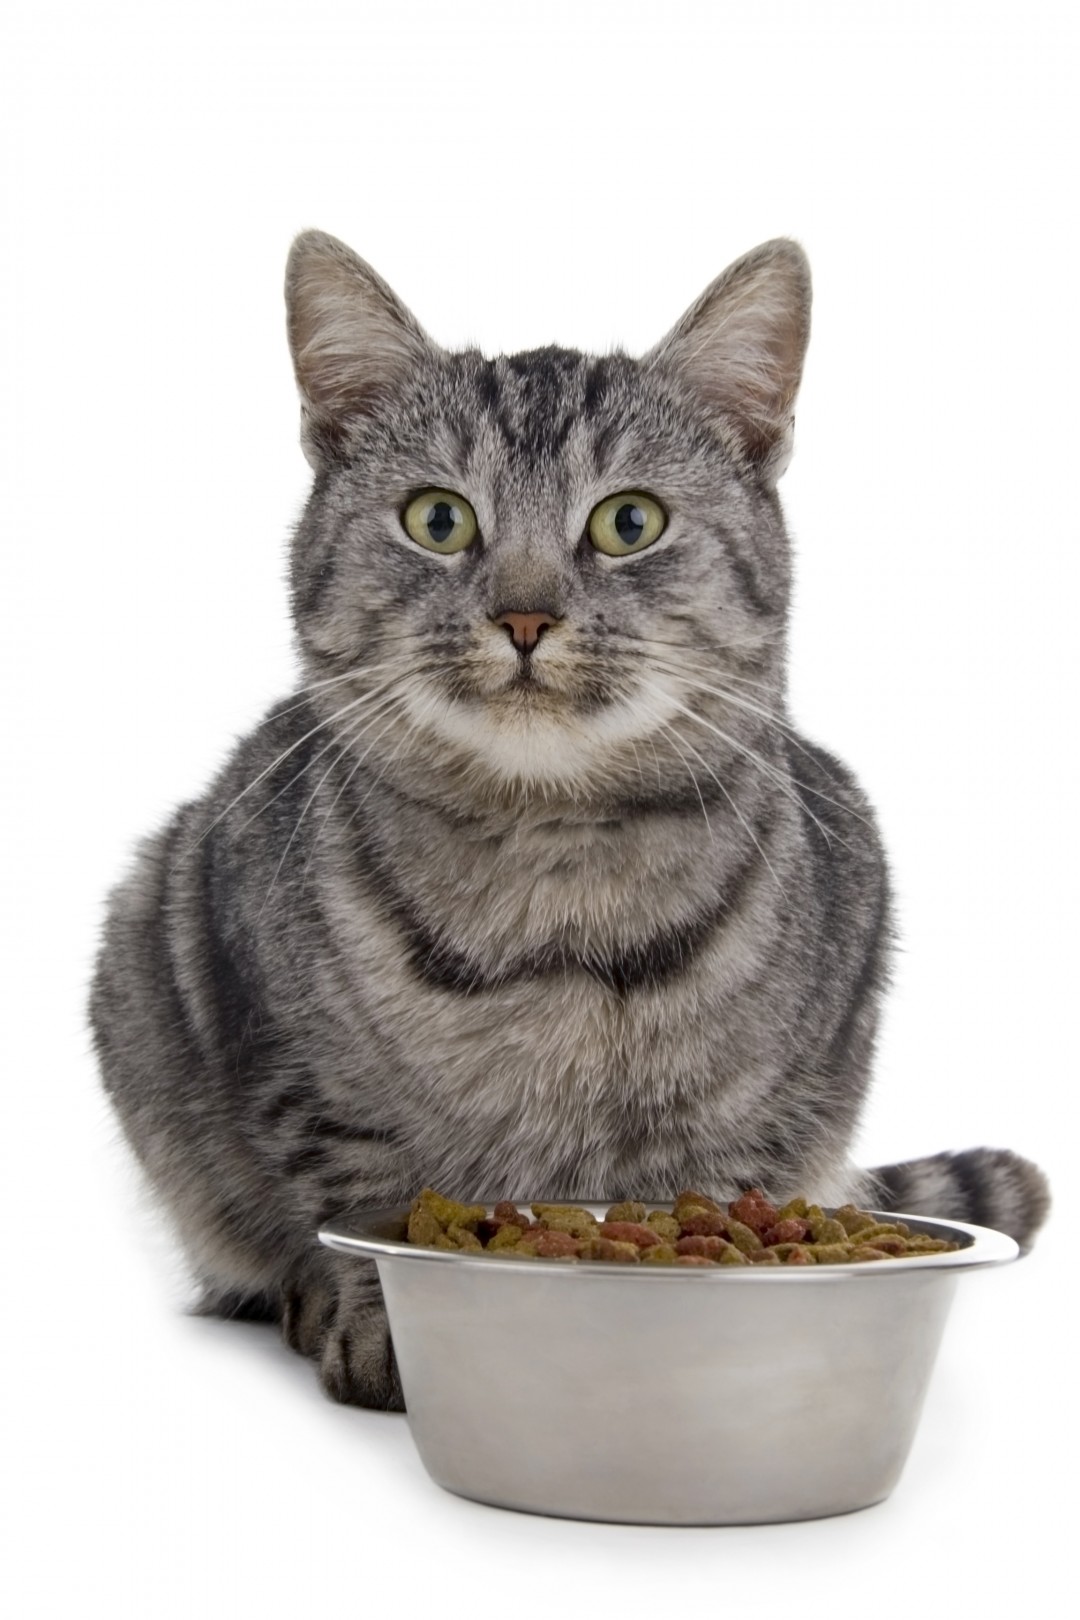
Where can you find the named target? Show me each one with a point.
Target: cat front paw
(339, 1318)
(357, 1364)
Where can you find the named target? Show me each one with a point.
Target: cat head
(536, 564)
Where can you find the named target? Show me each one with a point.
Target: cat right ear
(351, 337)
(741, 348)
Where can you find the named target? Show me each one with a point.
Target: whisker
(351, 730)
(671, 729)
(766, 714)
(689, 768)
(769, 771)
(284, 755)
(314, 795)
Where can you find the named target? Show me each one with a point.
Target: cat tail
(988, 1186)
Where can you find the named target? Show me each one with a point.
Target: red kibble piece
(506, 1211)
(799, 1257)
(629, 1232)
(704, 1226)
(692, 1260)
(789, 1231)
(711, 1247)
(553, 1245)
(754, 1210)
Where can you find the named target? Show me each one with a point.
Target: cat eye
(627, 523)
(439, 520)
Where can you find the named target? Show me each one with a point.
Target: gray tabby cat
(530, 890)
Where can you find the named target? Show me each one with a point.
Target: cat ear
(741, 349)
(351, 338)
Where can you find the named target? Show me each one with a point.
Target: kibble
(697, 1231)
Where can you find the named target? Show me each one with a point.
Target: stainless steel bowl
(656, 1395)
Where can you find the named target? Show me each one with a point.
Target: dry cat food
(696, 1231)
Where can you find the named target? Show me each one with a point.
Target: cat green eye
(439, 520)
(626, 523)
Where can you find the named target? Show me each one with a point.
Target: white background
(524, 173)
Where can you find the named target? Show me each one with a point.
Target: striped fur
(594, 923)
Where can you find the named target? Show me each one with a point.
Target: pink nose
(525, 628)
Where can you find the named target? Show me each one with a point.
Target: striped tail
(989, 1186)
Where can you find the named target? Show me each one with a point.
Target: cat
(531, 890)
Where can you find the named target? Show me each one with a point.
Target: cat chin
(534, 742)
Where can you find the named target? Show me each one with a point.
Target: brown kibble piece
(800, 1255)
(707, 1224)
(692, 1260)
(551, 1245)
(763, 1257)
(603, 1248)
(506, 1211)
(789, 1231)
(630, 1232)
(754, 1210)
(628, 1210)
(712, 1247)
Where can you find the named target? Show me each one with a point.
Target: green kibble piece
(743, 1237)
(694, 1203)
(793, 1211)
(576, 1222)
(763, 1257)
(628, 1210)
(448, 1212)
(833, 1254)
(801, 1254)
(664, 1225)
(851, 1219)
(462, 1238)
(865, 1251)
(876, 1229)
(423, 1227)
(731, 1256)
(507, 1237)
(659, 1254)
(828, 1231)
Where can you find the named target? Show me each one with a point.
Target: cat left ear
(741, 347)
(352, 339)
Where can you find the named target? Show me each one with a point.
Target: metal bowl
(657, 1395)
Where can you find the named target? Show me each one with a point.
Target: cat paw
(306, 1316)
(357, 1364)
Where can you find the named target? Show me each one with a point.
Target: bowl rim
(357, 1233)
